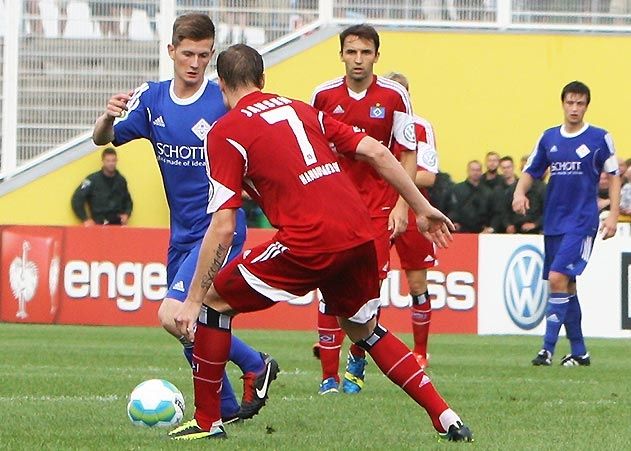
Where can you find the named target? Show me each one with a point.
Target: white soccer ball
(155, 402)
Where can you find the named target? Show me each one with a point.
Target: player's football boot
(576, 360)
(191, 431)
(457, 433)
(422, 360)
(543, 358)
(354, 375)
(256, 388)
(232, 419)
(328, 387)
(316, 350)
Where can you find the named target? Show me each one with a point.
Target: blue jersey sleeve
(537, 161)
(134, 124)
(607, 158)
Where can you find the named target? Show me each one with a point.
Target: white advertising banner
(512, 295)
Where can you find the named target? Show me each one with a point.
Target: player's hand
(186, 319)
(398, 220)
(89, 223)
(510, 229)
(436, 227)
(124, 218)
(521, 204)
(608, 227)
(117, 104)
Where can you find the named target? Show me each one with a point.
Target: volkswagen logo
(525, 292)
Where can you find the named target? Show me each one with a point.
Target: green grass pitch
(65, 388)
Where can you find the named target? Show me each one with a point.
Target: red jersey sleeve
(225, 165)
(345, 137)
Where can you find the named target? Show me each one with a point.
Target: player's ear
(171, 49)
(262, 82)
(377, 57)
(341, 56)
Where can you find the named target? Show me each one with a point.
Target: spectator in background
(502, 196)
(623, 165)
(469, 209)
(106, 194)
(625, 195)
(253, 213)
(440, 193)
(491, 179)
(532, 220)
(603, 192)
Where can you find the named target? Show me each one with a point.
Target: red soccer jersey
(383, 111)
(278, 150)
(426, 156)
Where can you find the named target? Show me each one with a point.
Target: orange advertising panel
(117, 276)
(30, 267)
(452, 287)
(113, 276)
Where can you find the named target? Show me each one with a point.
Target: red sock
(331, 338)
(396, 361)
(421, 317)
(210, 354)
(357, 351)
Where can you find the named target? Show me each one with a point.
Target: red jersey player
(381, 108)
(415, 251)
(278, 150)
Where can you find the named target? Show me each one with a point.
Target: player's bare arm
(398, 220)
(435, 225)
(104, 127)
(212, 254)
(424, 179)
(609, 225)
(521, 204)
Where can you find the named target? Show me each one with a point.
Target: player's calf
(397, 362)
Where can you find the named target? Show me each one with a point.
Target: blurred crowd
(482, 203)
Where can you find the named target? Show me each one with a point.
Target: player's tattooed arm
(215, 266)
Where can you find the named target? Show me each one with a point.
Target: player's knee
(356, 331)
(559, 283)
(417, 281)
(166, 316)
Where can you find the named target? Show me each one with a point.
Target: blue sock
(246, 358)
(573, 327)
(188, 353)
(229, 403)
(556, 311)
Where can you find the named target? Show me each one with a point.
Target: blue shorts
(181, 264)
(567, 254)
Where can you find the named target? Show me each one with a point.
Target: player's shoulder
(551, 132)
(328, 86)
(94, 176)
(392, 87)
(597, 131)
(212, 88)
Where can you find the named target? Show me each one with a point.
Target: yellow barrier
(482, 91)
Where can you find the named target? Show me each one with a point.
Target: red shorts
(382, 245)
(271, 273)
(415, 251)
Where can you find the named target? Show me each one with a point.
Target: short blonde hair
(399, 78)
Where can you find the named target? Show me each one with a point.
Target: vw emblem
(525, 292)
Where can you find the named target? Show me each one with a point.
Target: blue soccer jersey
(575, 161)
(177, 130)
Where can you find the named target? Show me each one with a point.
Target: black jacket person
(106, 194)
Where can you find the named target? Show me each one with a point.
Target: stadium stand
(64, 77)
